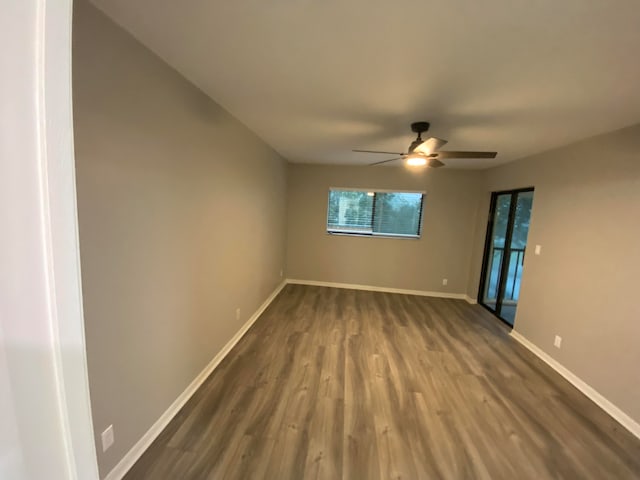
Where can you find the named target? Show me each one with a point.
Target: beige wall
(444, 251)
(182, 220)
(584, 285)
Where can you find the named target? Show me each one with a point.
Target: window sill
(375, 235)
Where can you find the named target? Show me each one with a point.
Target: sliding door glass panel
(495, 254)
(514, 254)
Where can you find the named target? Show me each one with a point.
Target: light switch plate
(557, 342)
(107, 438)
(538, 249)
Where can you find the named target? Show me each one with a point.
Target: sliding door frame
(488, 240)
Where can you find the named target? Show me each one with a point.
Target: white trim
(376, 190)
(371, 234)
(625, 420)
(346, 233)
(352, 286)
(60, 229)
(470, 300)
(120, 470)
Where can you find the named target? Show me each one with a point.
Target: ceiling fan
(427, 152)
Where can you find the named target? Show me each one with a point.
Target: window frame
(372, 234)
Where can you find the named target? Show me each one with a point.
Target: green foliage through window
(375, 213)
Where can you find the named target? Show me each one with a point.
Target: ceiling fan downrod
(419, 128)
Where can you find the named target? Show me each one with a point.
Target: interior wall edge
(470, 300)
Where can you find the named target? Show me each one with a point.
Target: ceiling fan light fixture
(416, 160)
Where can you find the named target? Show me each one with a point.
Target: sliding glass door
(505, 249)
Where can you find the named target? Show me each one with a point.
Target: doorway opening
(504, 252)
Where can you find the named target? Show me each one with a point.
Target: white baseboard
(625, 420)
(353, 286)
(147, 439)
(470, 300)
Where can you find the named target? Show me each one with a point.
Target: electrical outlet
(237, 314)
(444, 281)
(107, 438)
(280, 273)
(557, 342)
(538, 250)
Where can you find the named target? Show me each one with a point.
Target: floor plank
(332, 383)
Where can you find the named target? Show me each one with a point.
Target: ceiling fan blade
(430, 145)
(385, 161)
(378, 151)
(449, 154)
(435, 163)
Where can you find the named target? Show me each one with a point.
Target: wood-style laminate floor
(346, 384)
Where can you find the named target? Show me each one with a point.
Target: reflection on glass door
(504, 252)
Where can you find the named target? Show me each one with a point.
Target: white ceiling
(316, 78)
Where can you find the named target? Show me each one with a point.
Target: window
(375, 213)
